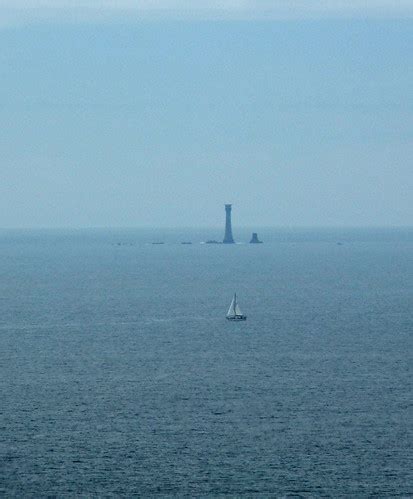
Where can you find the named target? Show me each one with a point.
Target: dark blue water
(120, 375)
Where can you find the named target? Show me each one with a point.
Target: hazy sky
(155, 113)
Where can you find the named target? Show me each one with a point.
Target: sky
(155, 113)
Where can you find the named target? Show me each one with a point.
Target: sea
(121, 377)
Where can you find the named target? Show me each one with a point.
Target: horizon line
(220, 228)
(28, 12)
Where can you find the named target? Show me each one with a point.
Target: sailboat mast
(235, 303)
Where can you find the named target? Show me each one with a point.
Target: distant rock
(254, 239)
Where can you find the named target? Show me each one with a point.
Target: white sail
(231, 311)
(234, 311)
(237, 310)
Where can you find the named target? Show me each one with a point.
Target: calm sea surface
(119, 375)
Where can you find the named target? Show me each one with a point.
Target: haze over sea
(121, 376)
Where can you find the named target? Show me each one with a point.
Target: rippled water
(120, 375)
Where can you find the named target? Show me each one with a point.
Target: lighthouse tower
(228, 239)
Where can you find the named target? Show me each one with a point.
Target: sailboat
(234, 312)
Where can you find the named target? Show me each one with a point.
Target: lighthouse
(228, 239)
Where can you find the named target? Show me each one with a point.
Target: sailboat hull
(237, 318)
